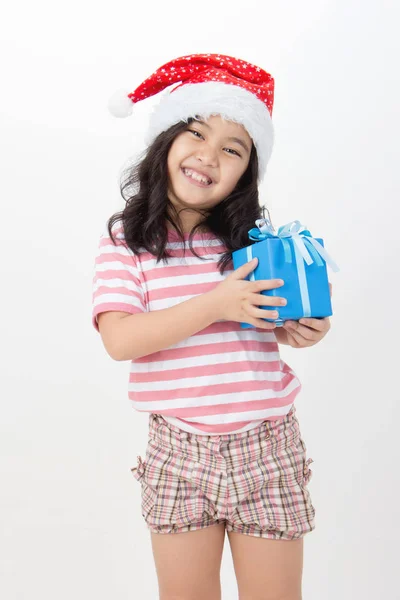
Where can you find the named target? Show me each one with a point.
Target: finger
(317, 324)
(330, 289)
(262, 300)
(250, 315)
(261, 313)
(259, 323)
(292, 340)
(300, 341)
(303, 331)
(267, 284)
(244, 270)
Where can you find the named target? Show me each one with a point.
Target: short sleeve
(116, 282)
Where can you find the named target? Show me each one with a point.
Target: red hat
(209, 84)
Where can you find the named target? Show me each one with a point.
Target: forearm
(145, 333)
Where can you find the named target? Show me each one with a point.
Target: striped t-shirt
(223, 379)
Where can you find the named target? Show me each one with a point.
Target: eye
(237, 153)
(198, 134)
(195, 132)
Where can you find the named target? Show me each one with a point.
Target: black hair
(148, 207)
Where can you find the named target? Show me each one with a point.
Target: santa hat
(209, 84)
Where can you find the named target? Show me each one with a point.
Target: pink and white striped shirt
(220, 380)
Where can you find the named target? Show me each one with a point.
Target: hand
(307, 332)
(238, 300)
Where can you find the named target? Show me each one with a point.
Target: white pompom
(120, 105)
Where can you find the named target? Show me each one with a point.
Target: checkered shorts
(254, 481)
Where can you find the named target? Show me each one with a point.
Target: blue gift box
(293, 255)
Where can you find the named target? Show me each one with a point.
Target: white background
(70, 508)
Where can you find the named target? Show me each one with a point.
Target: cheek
(232, 174)
(175, 160)
(174, 164)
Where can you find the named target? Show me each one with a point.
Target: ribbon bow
(306, 249)
(304, 244)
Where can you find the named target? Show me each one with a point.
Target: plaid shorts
(254, 481)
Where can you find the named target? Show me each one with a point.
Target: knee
(210, 596)
(213, 593)
(266, 596)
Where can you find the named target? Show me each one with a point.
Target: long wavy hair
(144, 188)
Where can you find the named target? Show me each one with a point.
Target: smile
(196, 178)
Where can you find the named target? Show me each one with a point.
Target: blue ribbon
(306, 249)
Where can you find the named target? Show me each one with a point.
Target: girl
(224, 449)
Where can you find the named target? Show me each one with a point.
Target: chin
(194, 196)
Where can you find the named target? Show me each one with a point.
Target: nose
(207, 155)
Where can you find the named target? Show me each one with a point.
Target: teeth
(197, 177)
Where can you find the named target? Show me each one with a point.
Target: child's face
(206, 148)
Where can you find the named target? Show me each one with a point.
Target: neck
(186, 228)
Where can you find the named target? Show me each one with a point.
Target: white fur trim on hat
(232, 102)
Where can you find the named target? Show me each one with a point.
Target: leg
(267, 569)
(188, 564)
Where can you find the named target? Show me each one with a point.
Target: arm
(127, 337)
(130, 332)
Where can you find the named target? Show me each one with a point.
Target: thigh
(267, 569)
(188, 564)
(177, 493)
(268, 484)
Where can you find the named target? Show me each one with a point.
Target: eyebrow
(231, 138)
